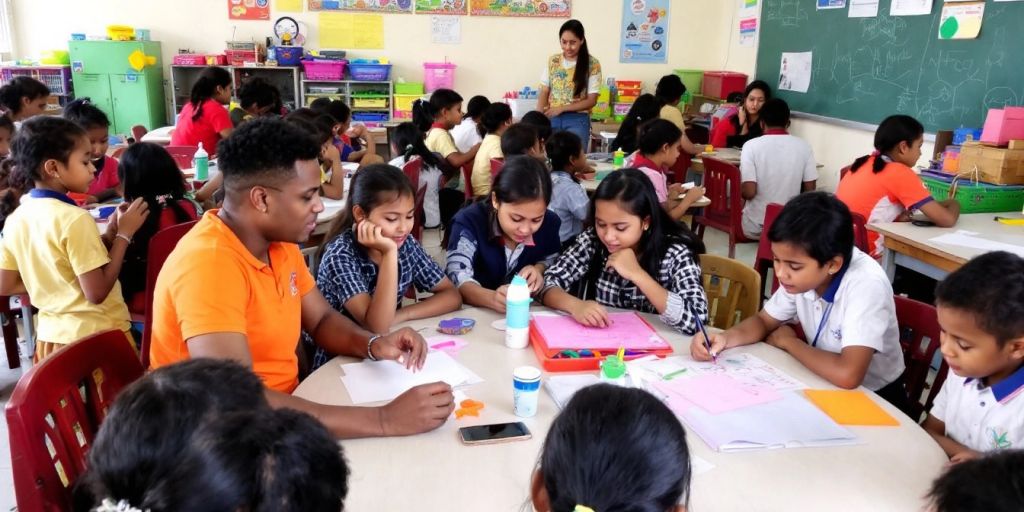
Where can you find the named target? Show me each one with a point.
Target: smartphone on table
(492, 434)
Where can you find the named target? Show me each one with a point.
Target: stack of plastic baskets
(405, 94)
(438, 75)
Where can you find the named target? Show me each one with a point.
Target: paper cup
(525, 391)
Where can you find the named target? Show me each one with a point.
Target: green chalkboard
(864, 69)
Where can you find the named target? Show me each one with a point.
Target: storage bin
(692, 79)
(56, 78)
(520, 107)
(369, 102)
(409, 88)
(403, 102)
(975, 197)
(288, 55)
(320, 69)
(369, 72)
(720, 84)
(438, 75)
(370, 117)
(189, 59)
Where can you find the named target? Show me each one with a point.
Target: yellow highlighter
(1009, 221)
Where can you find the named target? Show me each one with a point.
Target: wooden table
(731, 155)
(910, 246)
(891, 470)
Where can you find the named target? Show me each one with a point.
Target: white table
(891, 470)
(910, 246)
(591, 185)
(160, 136)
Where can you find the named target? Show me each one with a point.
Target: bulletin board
(522, 8)
(374, 6)
(451, 7)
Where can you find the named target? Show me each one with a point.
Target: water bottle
(517, 314)
(201, 163)
(619, 159)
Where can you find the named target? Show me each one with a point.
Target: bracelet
(124, 237)
(369, 347)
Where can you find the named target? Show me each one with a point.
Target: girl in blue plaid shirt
(634, 256)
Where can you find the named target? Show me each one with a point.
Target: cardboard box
(993, 165)
(1017, 144)
(1003, 125)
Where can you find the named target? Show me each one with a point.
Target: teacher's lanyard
(821, 325)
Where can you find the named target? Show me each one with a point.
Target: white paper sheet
(966, 239)
(379, 381)
(961, 21)
(795, 74)
(446, 29)
(563, 387)
(910, 7)
(699, 466)
(746, 368)
(863, 9)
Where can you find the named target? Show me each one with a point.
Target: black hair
(206, 86)
(645, 108)
(370, 187)
(7, 124)
(634, 192)
(337, 109)
(40, 139)
(325, 127)
(818, 223)
(18, 88)
(305, 113)
(775, 113)
(992, 483)
(263, 151)
(518, 139)
(734, 97)
(320, 105)
(142, 441)
(893, 130)
(263, 461)
(521, 179)
(425, 112)
(476, 107)
(562, 147)
(408, 140)
(257, 92)
(996, 309)
(581, 77)
(608, 435)
(83, 112)
(656, 133)
(494, 116)
(538, 121)
(758, 85)
(670, 89)
(12, 187)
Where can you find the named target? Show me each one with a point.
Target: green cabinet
(123, 78)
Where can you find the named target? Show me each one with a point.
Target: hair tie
(409, 147)
(582, 508)
(108, 505)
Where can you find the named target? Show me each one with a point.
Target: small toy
(456, 325)
(469, 407)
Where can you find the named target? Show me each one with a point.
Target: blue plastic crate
(369, 71)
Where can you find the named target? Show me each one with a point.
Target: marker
(621, 354)
(707, 339)
(674, 374)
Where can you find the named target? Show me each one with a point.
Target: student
(632, 257)
(568, 198)
(645, 108)
(148, 172)
(775, 167)
(493, 123)
(670, 92)
(883, 186)
(521, 139)
(442, 113)
(204, 120)
(348, 137)
(657, 152)
(507, 234)
(51, 249)
(369, 259)
(994, 483)
(264, 295)
(539, 122)
(256, 98)
(23, 97)
(981, 312)
(467, 133)
(735, 130)
(6, 134)
(96, 125)
(832, 289)
(320, 127)
(605, 437)
(407, 142)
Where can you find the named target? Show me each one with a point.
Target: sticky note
(850, 407)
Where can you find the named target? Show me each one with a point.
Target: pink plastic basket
(438, 75)
(324, 69)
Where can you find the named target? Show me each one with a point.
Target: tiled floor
(716, 242)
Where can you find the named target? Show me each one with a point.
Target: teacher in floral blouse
(570, 84)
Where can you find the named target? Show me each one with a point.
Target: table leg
(889, 264)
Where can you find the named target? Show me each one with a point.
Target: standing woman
(570, 84)
(745, 124)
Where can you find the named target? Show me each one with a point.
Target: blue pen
(707, 339)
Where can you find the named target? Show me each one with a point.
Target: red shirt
(213, 119)
(106, 177)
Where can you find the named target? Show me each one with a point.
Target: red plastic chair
(160, 247)
(678, 169)
(412, 170)
(722, 187)
(919, 337)
(763, 262)
(57, 407)
(138, 132)
(183, 155)
(420, 217)
(496, 165)
(860, 232)
(467, 180)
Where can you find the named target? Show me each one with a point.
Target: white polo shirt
(857, 310)
(982, 418)
(779, 164)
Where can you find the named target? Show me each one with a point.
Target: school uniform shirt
(106, 177)
(558, 78)
(50, 242)
(440, 141)
(211, 283)
(430, 177)
(655, 173)
(726, 133)
(679, 273)
(344, 148)
(489, 148)
(213, 120)
(570, 202)
(672, 113)
(857, 310)
(477, 251)
(779, 164)
(466, 135)
(346, 271)
(980, 417)
(882, 196)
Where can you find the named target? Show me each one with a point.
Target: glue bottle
(517, 314)
(618, 159)
(613, 370)
(201, 162)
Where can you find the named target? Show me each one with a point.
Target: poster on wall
(249, 9)
(451, 7)
(445, 29)
(795, 72)
(644, 31)
(377, 6)
(345, 30)
(528, 8)
(961, 21)
(748, 32)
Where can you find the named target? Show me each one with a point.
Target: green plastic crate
(978, 198)
(409, 88)
(693, 79)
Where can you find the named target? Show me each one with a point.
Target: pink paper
(446, 344)
(719, 393)
(676, 403)
(626, 330)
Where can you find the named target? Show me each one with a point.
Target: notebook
(563, 387)
(379, 381)
(850, 407)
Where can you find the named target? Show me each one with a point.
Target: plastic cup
(525, 391)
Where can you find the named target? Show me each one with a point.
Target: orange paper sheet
(850, 407)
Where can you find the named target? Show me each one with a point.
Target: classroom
(305, 255)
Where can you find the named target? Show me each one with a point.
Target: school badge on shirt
(294, 284)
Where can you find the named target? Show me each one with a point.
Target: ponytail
(206, 86)
(408, 140)
(892, 131)
(581, 78)
(424, 113)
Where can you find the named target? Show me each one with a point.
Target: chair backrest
(919, 338)
(677, 173)
(138, 132)
(496, 165)
(467, 179)
(55, 412)
(860, 232)
(160, 247)
(763, 261)
(183, 155)
(420, 217)
(412, 170)
(732, 289)
(722, 187)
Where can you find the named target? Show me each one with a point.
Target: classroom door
(131, 105)
(97, 89)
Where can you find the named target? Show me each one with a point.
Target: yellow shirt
(440, 141)
(490, 148)
(50, 243)
(671, 113)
